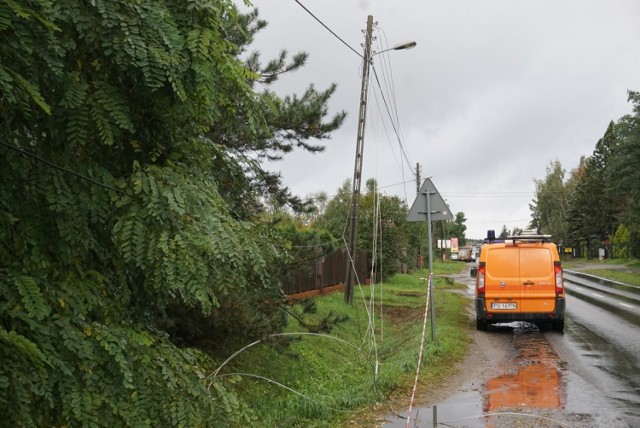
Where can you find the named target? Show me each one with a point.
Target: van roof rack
(530, 236)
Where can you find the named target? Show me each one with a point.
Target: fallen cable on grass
(239, 351)
(283, 386)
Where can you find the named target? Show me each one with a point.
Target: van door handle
(528, 283)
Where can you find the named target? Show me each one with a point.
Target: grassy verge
(616, 275)
(327, 380)
(622, 270)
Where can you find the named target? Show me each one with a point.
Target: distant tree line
(393, 242)
(598, 204)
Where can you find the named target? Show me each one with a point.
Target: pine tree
(592, 209)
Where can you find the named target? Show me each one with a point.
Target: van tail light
(482, 269)
(557, 267)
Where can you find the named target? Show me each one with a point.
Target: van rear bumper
(484, 315)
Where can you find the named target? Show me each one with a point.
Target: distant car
(519, 279)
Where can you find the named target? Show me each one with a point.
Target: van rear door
(502, 280)
(537, 279)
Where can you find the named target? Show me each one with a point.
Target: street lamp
(398, 47)
(357, 170)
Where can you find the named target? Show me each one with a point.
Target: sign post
(429, 206)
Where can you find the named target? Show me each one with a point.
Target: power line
(384, 126)
(395, 129)
(63, 169)
(329, 29)
(387, 76)
(483, 221)
(389, 90)
(395, 184)
(490, 195)
(386, 68)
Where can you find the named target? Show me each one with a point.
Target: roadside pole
(357, 170)
(429, 208)
(427, 195)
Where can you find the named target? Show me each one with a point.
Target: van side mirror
(474, 271)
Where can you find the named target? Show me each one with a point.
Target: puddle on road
(529, 380)
(533, 379)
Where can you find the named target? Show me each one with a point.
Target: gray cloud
(493, 92)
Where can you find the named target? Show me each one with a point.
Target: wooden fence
(326, 273)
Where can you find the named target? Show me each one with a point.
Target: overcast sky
(493, 92)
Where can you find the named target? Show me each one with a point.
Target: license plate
(503, 306)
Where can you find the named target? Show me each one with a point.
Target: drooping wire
(386, 62)
(395, 128)
(389, 89)
(386, 131)
(379, 227)
(401, 164)
(374, 267)
(328, 29)
(63, 169)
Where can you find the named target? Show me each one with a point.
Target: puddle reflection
(533, 379)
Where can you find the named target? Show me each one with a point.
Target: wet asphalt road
(587, 377)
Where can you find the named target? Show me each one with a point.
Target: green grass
(616, 275)
(335, 377)
(630, 263)
(626, 270)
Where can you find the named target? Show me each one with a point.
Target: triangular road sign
(439, 209)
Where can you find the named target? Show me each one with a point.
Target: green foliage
(623, 172)
(32, 298)
(336, 214)
(549, 208)
(592, 208)
(185, 246)
(129, 195)
(621, 241)
(457, 228)
(70, 367)
(382, 225)
(307, 245)
(417, 242)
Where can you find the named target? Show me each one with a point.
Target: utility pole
(357, 170)
(418, 184)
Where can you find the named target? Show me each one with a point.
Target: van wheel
(559, 325)
(481, 324)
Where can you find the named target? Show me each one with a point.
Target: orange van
(519, 279)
